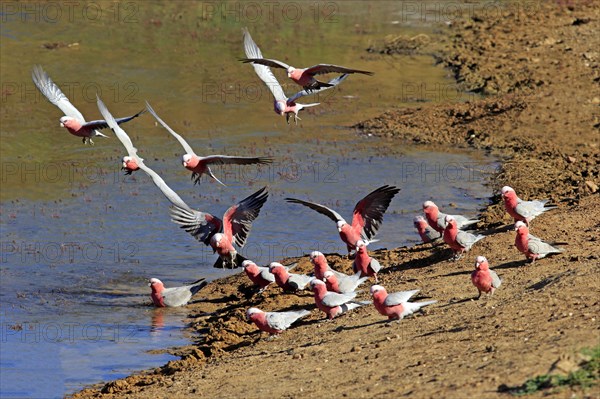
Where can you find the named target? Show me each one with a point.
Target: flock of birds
(334, 292)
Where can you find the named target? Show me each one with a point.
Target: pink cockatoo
(305, 77)
(219, 234)
(524, 211)
(73, 120)
(259, 275)
(395, 305)
(459, 241)
(333, 303)
(131, 162)
(289, 282)
(321, 266)
(483, 278)
(363, 263)
(426, 232)
(282, 105)
(175, 296)
(533, 247)
(366, 218)
(343, 284)
(274, 322)
(437, 219)
(201, 165)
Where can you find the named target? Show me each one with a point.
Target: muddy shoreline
(541, 78)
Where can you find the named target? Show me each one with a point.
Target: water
(79, 240)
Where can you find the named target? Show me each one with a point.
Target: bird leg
(478, 296)
(287, 118)
(296, 119)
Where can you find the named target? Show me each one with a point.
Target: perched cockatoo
(175, 296)
(483, 278)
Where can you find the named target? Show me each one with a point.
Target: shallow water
(80, 240)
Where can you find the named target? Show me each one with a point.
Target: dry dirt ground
(541, 77)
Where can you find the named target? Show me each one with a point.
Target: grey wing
(332, 82)
(177, 296)
(333, 299)
(467, 240)
(329, 68)
(283, 320)
(171, 195)
(202, 226)
(322, 209)
(101, 124)
(120, 133)
(54, 94)
(300, 280)
(368, 212)
(530, 208)
(431, 233)
(239, 217)
(396, 298)
(349, 283)
(495, 279)
(375, 265)
(542, 248)
(462, 221)
(266, 274)
(187, 148)
(229, 160)
(263, 72)
(266, 62)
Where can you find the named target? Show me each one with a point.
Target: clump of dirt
(542, 121)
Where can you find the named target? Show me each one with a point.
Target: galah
(524, 211)
(343, 284)
(73, 120)
(437, 219)
(274, 322)
(366, 218)
(459, 241)
(235, 227)
(219, 234)
(289, 282)
(174, 296)
(484, 279)
(305, 77)
(259, 275)
(533, 247)
(321, 266)
(395, 305)
(201, 165)
(363, 263)
(282, 105)
(426, 232)
(333, 303)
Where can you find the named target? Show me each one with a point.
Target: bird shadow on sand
(497, 229)
(511, 265)
(350, 328)
(458, 302)
(459, 273)
(442, 331)
(436, 257)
